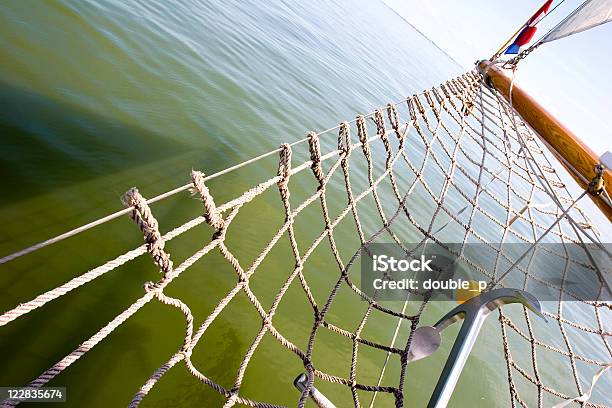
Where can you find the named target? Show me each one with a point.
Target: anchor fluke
(425, 341)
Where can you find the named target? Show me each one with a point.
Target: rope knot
(453, 87)
(284, 165)
(445, 89)
(318, 318)
(428, 98)
(212, 215)
(142, 215)
(233, 398)
(308, 364)
(344, 139)
(150, 286)
(419, 105)
(393, 117)
(361, 129)
(431, 103)
(412, 108)
(381, 130)
(186, 351)
(379, 120)
(436, 93)
(362, 134)
(315, 156)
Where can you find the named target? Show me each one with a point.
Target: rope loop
(315, 156)
(432, 104)
(381, 130)
(212, 214)
(446, 90)
(142, 215)
(419, 105)
(266, 321)
(455, 88)
(439, 97)
(150, 286)
(284, 172)
(412, 109)
(284, 165)
(344, 139)
(362, 133)
(379, 120)
(450, 88)
(428, 98)
(465, 80)
(393, 117)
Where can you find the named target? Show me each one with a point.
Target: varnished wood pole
(573, 154)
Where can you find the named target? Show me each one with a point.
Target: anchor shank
(458, 356)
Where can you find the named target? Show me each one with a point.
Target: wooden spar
(573, 154)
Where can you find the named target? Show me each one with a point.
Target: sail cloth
(529, 29)
(590, 14)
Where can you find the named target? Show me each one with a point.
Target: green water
(97, 97)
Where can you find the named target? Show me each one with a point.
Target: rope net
(452, 164)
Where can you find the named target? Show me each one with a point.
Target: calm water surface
(97, 97)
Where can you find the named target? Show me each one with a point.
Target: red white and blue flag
(529, 30)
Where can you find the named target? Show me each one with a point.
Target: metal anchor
(426, 339)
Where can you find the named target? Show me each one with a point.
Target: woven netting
(451, 164)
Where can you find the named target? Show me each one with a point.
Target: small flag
(529, 31)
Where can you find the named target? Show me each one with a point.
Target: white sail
(590, 14)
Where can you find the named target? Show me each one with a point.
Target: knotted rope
(211, 214)
(141, 214)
